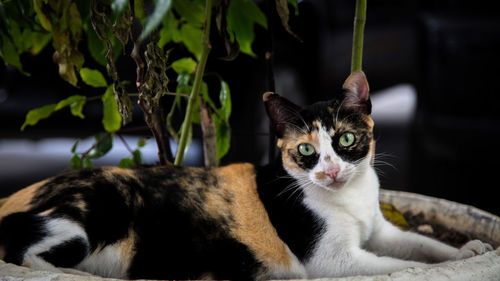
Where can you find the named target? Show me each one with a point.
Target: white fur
(105, 262)
(357, 238)
(59, 231)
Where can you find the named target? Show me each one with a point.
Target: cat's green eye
(306, 149)
(346, 139)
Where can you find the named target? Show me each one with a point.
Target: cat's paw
(473, 248)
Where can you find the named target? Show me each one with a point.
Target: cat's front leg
(354, 261)
(389, 240)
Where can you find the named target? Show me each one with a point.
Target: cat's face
(327, 143)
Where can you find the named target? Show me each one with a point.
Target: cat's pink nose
(332, 172)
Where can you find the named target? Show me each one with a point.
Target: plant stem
(153, 112)
(357, 37)
(198, 79)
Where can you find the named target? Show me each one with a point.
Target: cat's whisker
(295, 126)
(338, 110)
(293, 185)
(379, 162)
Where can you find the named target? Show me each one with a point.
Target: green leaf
(192, 37)
(74, 21)
(294, 5)
(225, 101)
(16, 34)
(27, 38)
(66, 34)
(38, 114)
(191, 11)
(127, 163)
(161, 9)
(77, 108)
(103, 144)
(111, 119)
(223, 135)
(44, 19)
(183, 83)
(76, 103)
(40, 40)
(87, 163)
(73, 148)
(93, 77)
(98, 48)
(206, 96)
(75, 162)
(9, 54)
(241, 17)
(168, 31)
(137, 157)
(142, 142)
(184, 65)
(139, 10)
(68, 60)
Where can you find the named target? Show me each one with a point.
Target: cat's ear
(356, 93)
(282, 112)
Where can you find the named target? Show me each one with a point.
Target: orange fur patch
(369, 121)
(253, 227)
(316, 124)
(20, 201)
(320, 175)
(127, 247)
(290, 143)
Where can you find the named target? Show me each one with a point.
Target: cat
(336, 228)
(314, 213)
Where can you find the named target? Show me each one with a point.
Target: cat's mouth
(335, 184)
(330, 184)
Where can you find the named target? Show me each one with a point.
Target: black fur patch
(295, 223)
(66, 254)
(18, 232)
(305, 162)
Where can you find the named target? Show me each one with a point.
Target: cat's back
(109, 185)
(76, 189)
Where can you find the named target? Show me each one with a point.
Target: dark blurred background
(433, 71)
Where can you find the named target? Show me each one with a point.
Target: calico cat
(315, 213)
